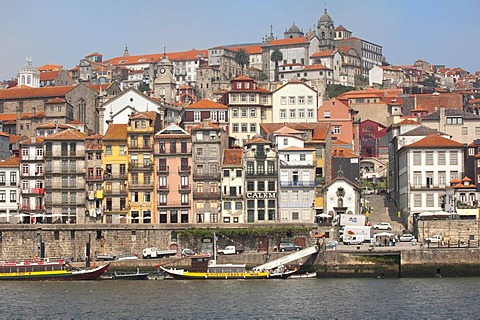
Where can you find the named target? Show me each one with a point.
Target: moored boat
(130, 276)
(47, 269)
(308, 275)
(202, 267)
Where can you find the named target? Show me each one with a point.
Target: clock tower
(164, 85)
(325, 32)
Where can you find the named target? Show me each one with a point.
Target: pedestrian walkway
(384, 211)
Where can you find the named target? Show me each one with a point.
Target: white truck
(230, 250)
(364, 231)
(352, 220)
(153, 252)
(359, 239)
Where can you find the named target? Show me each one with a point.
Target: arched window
(22, 81)
(29, 79)
(82, 111)
(323, 35)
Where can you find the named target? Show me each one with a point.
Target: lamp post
(88, 249)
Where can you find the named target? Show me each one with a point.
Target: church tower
(325, 32)
(164, 85)
(29, 75)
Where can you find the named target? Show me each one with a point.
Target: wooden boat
(47, 269)
(308, 275)
(130, 276)
(203, 268)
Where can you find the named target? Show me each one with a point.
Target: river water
(413, 298)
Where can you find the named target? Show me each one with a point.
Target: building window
(429, 200)
(464, 131)
(310, 114)
(301, 100)
(310, 100)
(477, 131)
(283, 100)
(293, 113)
(244, 127)
(253, 113)
(336, 129)
(243, 97)
(453, 158)
(417, 178)
(291, 100)
(196, 116)
(108, 150)
(441, 158)
(235, 113)
(417, 158)
(283, 113)
(252, 97)
(221, 116)
(429, 158)
(235, 127)
(417, 200)
(253, 127)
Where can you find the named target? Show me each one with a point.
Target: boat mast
(214, 246)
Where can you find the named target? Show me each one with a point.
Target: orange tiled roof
(37, 140)
(206, 125)
(95, 54)
(232, 157)
(48, 75)
(320, 54)
(288, 41)
(408, 121)
(320, 130)
(53, 126)
(27, 92)
(294, 148)
(242, 78)
(56, 100)
(251, 49)
(206, 104)
(435, 141)
(343, 152)
(75, 122)
(69, 134)
(156, 57)
(287, 130)
(152, 115)
(116, 131)
(315, 67)
(16, 138)
(12, 162)
(257, 140)
(49, 67)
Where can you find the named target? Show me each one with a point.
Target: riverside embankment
(25, 241)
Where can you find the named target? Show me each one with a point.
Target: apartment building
(114, 162)
(65, 177)
(9, 194)
(208, 143)
(173, 181)
(94, 178)
(32, 180)
(294, 102)
(233, 187)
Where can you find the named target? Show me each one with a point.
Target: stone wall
(451, 231)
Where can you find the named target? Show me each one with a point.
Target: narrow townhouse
(233, 187)
(94, 178)
(9, 190)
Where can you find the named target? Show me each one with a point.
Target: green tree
(142, 87)
(276, 57)
(334, 90)
(242, 58)
(430, 81)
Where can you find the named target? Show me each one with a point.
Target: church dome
(28, 68)
(325, 17)
(294, 29)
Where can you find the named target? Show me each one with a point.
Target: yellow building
(115, 160)
(141, 129)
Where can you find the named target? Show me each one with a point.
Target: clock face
(162, 70)
(322, 27)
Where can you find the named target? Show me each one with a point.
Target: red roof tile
(28, 92)
(12, 162)
(319, 54)
(435, 141)
(206, 104)
(67, 135)
(232, 157)
(56, 100)
(48, 75)
(116, 131)
(288, 41)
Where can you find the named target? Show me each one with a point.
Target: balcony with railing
(206, 195)
(163, 170)
(142, 186)
(27, 207)
(173, 204)
(270, 174)
(184, 188)
(427, 186)
(135, 166)
(32, 157)
(232, 196)
(299, 184)
(94, 178)
(206, 175)
(34, 191)
(112, 176)
(184, 169)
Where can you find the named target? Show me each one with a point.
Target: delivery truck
(364, 231)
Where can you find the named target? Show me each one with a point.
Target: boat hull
(133, 276)
(181, 274)
(59, 275)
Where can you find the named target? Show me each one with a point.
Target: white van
(358, 239)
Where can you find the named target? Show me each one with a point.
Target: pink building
(373, 139)
(341, 117)
(173, 181)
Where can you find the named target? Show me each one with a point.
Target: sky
(64, 31)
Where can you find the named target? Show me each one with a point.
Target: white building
(294, 102)
(425, 169)
(9, 177)
(296, 176)
(342, 197)
(233, 187)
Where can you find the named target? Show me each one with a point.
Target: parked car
(382, 226)
(368, 190)
(434, 239)
(187, 252)
(331, 244)
(288, 246)
(406, 237)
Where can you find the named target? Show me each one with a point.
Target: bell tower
(164, 85)
(325, 32)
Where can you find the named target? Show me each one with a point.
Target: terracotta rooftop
(116, 132)
(287, 130)
(206, 125)
(16, 138)
(12, 162)
(232, 157)
(288, 41)
(320, 54)
(435, 141)
(48, 75)
(37, 140)
(421, 131)
(156, 57)
(452, 113)
(343, 153)
(206, 104)
(75, 122)
(67, 135)
(315, 67)
(56, 100)
(319, 130)
(27, 92)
